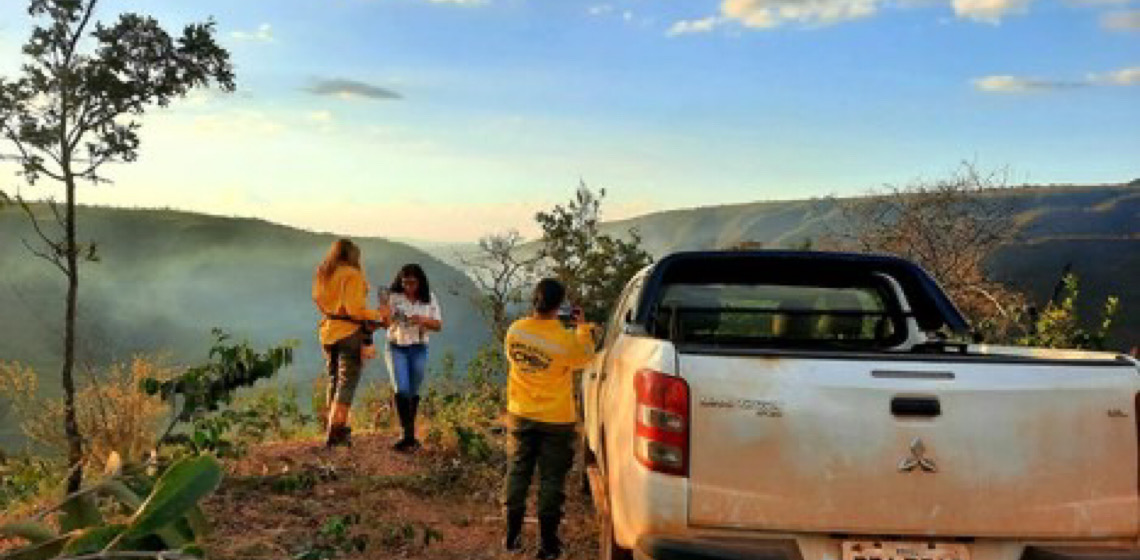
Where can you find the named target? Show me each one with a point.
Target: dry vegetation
(101, 399)
(286, 496)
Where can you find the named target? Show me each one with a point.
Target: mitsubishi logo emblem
(917, 459)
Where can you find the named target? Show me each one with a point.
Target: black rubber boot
(549, 546)
(338, 434)
(403, 409)
(513, 542)
(410, 431)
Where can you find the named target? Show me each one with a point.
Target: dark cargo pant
(548, 446)
(343, 365)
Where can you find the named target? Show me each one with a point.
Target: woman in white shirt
(415, 314)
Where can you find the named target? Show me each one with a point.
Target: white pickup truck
(808, 406)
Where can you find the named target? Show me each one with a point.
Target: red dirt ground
(275, 501)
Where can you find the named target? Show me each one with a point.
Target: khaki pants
(550, 448)
(343, 365)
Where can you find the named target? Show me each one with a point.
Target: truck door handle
(916, 406)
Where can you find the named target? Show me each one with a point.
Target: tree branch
(74, 42)
(49, 258)
(53, 259)
(26, 158)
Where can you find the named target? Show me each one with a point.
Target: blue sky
(444, 120)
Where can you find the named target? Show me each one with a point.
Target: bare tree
(501, 269)
(949, 226)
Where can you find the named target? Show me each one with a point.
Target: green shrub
(203, 390)
(22, 478)
(1059, 325)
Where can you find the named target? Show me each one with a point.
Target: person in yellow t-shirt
(543, 355)
(340, 293)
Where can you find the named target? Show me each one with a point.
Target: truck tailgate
(859, 446)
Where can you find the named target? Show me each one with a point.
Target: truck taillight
(662, 440)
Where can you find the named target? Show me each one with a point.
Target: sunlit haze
(446, 119)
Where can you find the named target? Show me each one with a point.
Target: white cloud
(1013, 84)
(600, 9)
(459, 2)
(263, 34)
(1121, 21)
(1016, 84)
(767, 14)
(688, 26)
(770, 14)
(1122, 77)
(627, 15)
(990, 11)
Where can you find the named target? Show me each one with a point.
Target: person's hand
(368, 352)
(418, 320)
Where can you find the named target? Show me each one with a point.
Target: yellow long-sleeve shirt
(543, 356)
(344, 293)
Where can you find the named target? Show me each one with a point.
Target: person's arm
(584, 345)
(432, 321)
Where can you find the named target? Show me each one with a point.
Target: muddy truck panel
(829, 406)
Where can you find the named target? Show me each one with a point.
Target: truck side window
(625, 304)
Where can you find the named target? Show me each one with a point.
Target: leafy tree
(75, 107)
(593, 265)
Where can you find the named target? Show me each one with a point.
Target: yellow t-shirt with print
(544, 356)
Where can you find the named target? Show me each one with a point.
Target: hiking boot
(338, 435)
(403, 411)
(513, 542)
(549, 547)
(410, 430)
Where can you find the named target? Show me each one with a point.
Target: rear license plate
(904, 550)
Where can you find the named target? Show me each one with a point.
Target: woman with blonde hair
(340, 292)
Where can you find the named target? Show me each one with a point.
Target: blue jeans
(408, 365)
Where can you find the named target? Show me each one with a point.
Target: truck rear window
(786, 315)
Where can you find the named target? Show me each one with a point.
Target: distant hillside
(1096, 229)
(166, 278)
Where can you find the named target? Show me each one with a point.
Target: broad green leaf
(193, 549)
(80, 512)
(122, 493)
(198, 522)
(176, 493)
(40, 551)
(172, 537)
(31, 531)
(92, 539)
